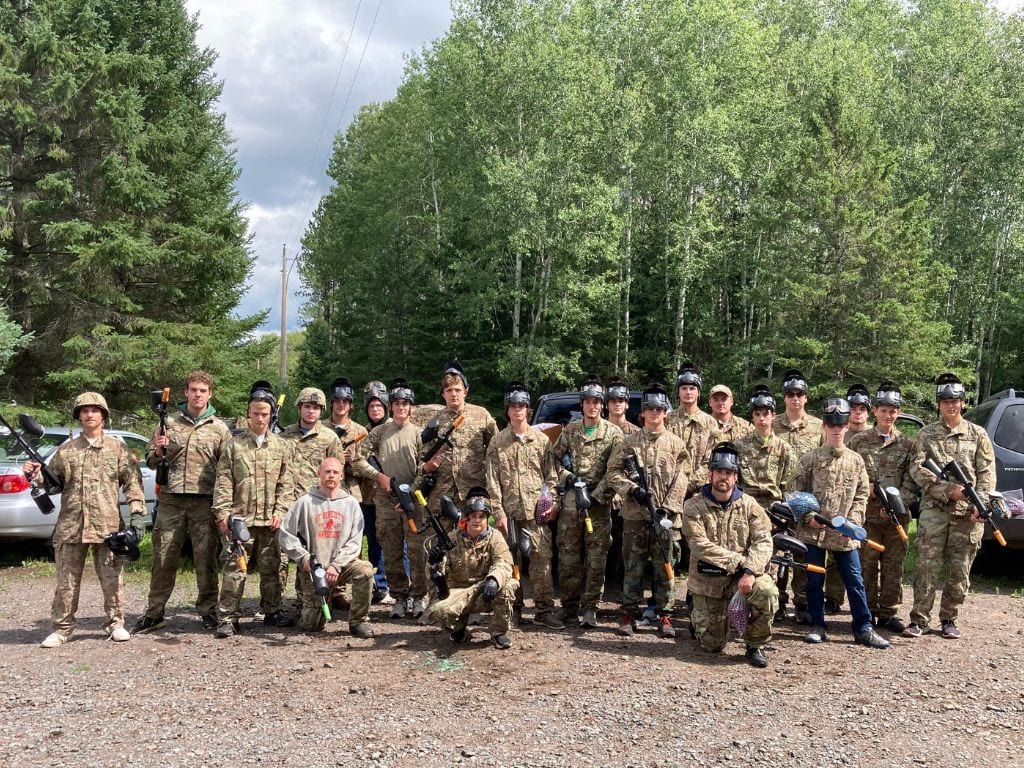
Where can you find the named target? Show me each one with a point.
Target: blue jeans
(849, 569)
(376, 554)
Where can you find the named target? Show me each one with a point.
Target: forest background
(557, 188)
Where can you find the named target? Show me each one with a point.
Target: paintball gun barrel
(51, 483)
(161, 398)
(954, 472)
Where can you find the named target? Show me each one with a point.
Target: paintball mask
(124, 544)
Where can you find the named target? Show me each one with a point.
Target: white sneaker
(398, 610)
(120, 635)
(53, 640)
(386, 599)
(419, 606)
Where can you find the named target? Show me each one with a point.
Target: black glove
(490, 590)
(435, 556)
(639, 495)
(570, 481)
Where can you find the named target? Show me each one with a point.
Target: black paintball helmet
(456, 369)
(262, 392)
(617, 389)
(477, 500)
(655, 396)
(517, 393)
(592, 387)
(836, 411)
(400, 390)
(794, 381)
(725, 456)
(858, 395)
(689, 375)
(341, 389)
(762, 398)
(124, 544)
(888, 393)
(948, 386)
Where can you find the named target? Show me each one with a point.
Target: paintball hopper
(583, 504)
(450, 510)
(319, 575)
(782, 515)
(525, 543)
(802, 503)
(30, 426)
(429, 433)
(239, 530)
(124, 544)
(784, 543)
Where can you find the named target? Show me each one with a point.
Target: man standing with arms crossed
(192, 447)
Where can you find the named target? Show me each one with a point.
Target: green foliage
(566, 186)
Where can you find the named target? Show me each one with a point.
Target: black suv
(1002, 417)
(563, 407)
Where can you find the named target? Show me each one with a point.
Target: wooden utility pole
(284, 317)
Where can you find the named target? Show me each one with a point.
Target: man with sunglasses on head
(887, 454)
(479, 575)
(949, 530)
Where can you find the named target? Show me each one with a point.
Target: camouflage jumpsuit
(467, 566)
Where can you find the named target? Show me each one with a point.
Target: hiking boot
(780, 615)
(949, 630)
(665, 628)
(148, 624)
(626, 626)
(569, 616)
(278, 619)
(419, 607)
(119, 635)
(871, 639)
(756, 658)
(892, 624)
(913, 630)
(802, 615)
(816, 634)
(362, 630)
(398, 609)
(226, 629)
(517, 617)
(502, 641)
(548, 619)
(208, 619)
(831, 606)
(53, 640)
(589, 620)
(459, 635)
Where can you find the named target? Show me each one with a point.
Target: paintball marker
(160, 400)
(124, 544)
(784, 522)
(318, 574)
(847, 528)
(583, 504)
(440, 439)
(636, 473)
(891, 502)
(275, 420)
(785, 548)
(405, 500)
(51, 483)
(519, 543)
(954, 472)
(239, 537)
(443, 543)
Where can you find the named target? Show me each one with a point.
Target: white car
(20, 518)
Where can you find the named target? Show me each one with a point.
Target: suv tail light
(13, 483)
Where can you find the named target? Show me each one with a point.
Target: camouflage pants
(396, 539)
(183, 517)
(835, 590)
(263, 551)
(942, 539)
(582, 556)
(710, 621)
(883, 571)
(540, 566)
(70, 562)
(639, 547)
(455, 609)
(359, 573)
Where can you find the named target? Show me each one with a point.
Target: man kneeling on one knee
(326, 525)
(730, 547)
(478, 571)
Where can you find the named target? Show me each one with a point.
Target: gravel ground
(408, 698)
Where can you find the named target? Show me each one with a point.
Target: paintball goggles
(124, 544)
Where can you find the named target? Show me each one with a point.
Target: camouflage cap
(311, 395)
(90, 398)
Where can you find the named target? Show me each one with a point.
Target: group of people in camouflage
(308, 494)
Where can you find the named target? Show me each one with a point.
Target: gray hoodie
(332, 529)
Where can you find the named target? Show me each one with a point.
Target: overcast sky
(280, 63)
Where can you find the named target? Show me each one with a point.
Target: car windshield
(12, 453)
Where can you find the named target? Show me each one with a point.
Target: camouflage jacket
(838, 478)
(732, 431)
(698, 435)
(354, 431)
(254, 481)
(397, 449)
(802, 436)
(888, 462)
(464, 463)
(590, 456)
(473, 561)
(766, 465)
(192, 451)
(516, 469)
(90, 509)
(308, 450)
(720, 536)
(970, 445)
(332, 529)
(850, 434)
(665, 457)
(628, 428)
